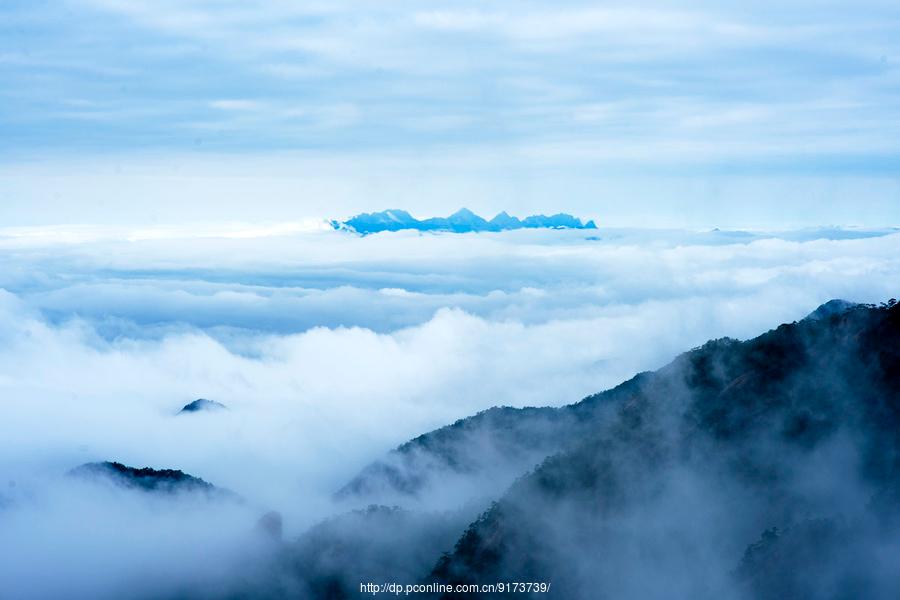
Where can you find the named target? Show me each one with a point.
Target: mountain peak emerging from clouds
(462, 221)
(200, 405)
(147, 479)
(832, 307)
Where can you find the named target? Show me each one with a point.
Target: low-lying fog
(329, 349)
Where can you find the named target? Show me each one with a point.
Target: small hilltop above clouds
(202, 405)
(462, 221)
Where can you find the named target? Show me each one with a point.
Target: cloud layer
(329, 349)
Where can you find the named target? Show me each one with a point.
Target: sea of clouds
(329, 349)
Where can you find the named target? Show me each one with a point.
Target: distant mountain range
(462, 221)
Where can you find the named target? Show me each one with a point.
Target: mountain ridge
(763, 468)
(147, 479)
(740, 424)
(462, 221)
(407, 468)
(734, 425)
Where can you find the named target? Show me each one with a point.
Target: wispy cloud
(650, 88)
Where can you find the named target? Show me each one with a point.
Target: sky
(665, 114)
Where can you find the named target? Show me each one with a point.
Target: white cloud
(102, 341)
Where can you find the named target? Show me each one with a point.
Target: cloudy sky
(703, 114)
(165, 166)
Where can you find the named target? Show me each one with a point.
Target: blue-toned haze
(254, 203)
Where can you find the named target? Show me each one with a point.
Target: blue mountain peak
(462, 221)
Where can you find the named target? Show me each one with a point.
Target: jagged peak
(463, 220)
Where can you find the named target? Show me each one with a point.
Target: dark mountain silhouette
(202, 404)
(832, 307)
(761, 469)
(797, 431)
(462, 221)
(767, 468)
(165, 481)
